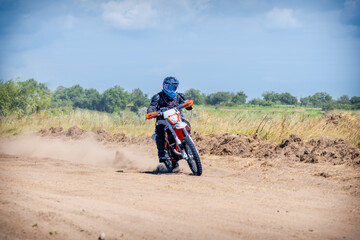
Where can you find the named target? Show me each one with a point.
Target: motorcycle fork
(170, 146)
(178, 142)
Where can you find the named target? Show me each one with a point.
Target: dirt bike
(178, 142)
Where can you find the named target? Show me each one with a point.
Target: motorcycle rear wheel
(194, 159)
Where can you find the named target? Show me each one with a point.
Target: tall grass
(128, 122)
(276, 125)
(271, 124)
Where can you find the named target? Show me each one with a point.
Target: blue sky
(301, 47)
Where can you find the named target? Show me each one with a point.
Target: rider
(168, 97)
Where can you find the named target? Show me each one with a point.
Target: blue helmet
(170, 86)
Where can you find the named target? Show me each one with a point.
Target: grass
(271, 123)
(276, 124)
(128, 122)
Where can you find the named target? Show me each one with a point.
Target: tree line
(26, 97)
(321, 100)
(29, 96)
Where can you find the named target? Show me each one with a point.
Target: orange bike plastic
(187, 104)
(151, 115)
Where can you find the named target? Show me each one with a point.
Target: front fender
(180, 125)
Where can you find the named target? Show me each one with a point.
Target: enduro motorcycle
(178, 141)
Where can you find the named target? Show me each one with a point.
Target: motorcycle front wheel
(193, 155)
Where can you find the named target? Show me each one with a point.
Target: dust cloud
(85, 151)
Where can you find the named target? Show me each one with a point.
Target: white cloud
(142, 14)
(130, 14)
(281, 19)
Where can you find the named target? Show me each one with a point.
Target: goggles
(171, 88)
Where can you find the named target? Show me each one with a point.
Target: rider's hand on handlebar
(162, 110)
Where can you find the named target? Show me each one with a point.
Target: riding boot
(175, 167)
(162, 154)
(160, 142)
(165, 167)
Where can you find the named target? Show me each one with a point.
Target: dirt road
(236, 198)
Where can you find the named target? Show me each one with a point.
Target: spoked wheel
(194, 159)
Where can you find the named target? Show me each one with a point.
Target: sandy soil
(57, 189)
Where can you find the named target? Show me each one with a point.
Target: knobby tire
(191, 151)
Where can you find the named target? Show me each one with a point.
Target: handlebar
(151, 115)
(186, 104)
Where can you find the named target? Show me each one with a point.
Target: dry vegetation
(269, 123)
(277, 125)
(128, 122)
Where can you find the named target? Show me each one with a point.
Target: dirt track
(236, 198)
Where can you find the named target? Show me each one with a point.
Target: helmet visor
(171, 88)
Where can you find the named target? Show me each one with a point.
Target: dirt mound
(333, 118)
(335, 151)
(233, 144)
(75, 132)
(100, 135)
(53, 131)
(339, 150)
(104, 136)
